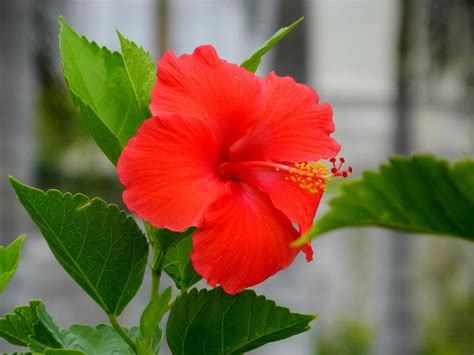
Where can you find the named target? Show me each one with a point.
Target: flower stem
(157, 262)
(121, 332)
(156, 268)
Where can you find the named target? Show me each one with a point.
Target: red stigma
(336, 170)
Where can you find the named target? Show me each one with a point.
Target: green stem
(156, 267)
(156, 273)
(121, 332)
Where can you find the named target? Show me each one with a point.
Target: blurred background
(400, 77)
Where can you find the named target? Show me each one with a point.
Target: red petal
(204, 86)
(298, 204)
(169, 170)
(308, 250)
(242, 240)
(293, 126)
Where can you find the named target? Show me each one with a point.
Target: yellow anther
(310, 176)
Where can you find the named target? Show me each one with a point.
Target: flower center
(311, 176)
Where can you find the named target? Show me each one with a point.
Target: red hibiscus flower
(233, 155)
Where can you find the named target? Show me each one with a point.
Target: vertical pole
(398, 332)
(17, 96)
(290, 54)
(163, 26)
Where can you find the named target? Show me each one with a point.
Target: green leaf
(111, 92)
(141, 70)
(154, 312)
(9, 260)
(178, 264)
(143, 345)
(30, 326)
(419, 194)
(102, 339)
(165, 238)
(176, 247)
(212, 322)
(17, 327)
(46, 333)
(63, 352)
(252, 62)
(100, 247)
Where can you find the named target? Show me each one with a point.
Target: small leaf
(252, 62)
(30, 326)
(110, 92)
(178, 264)
(99, 246)
(143, 345)
(102, 339)
(419, 194)
(165, 238)
(176, 247)
(9, 260)
(154, 312)
(212, 322)
(46, 333)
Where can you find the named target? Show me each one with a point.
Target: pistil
(311, 176)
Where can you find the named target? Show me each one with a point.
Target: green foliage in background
(348, 337)
(450, 331)
(448, 323)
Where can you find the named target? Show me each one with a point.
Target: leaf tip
(63, 23)
(21, 238)
(119, 35)
(13, 182)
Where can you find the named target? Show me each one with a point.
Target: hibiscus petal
(169, 170)
(298, 204)
(204, 86)
(292, 127)
(242, 239)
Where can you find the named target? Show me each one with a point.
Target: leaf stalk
(121, 332)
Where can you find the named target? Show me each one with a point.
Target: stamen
(313, 176)
(309, 176)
